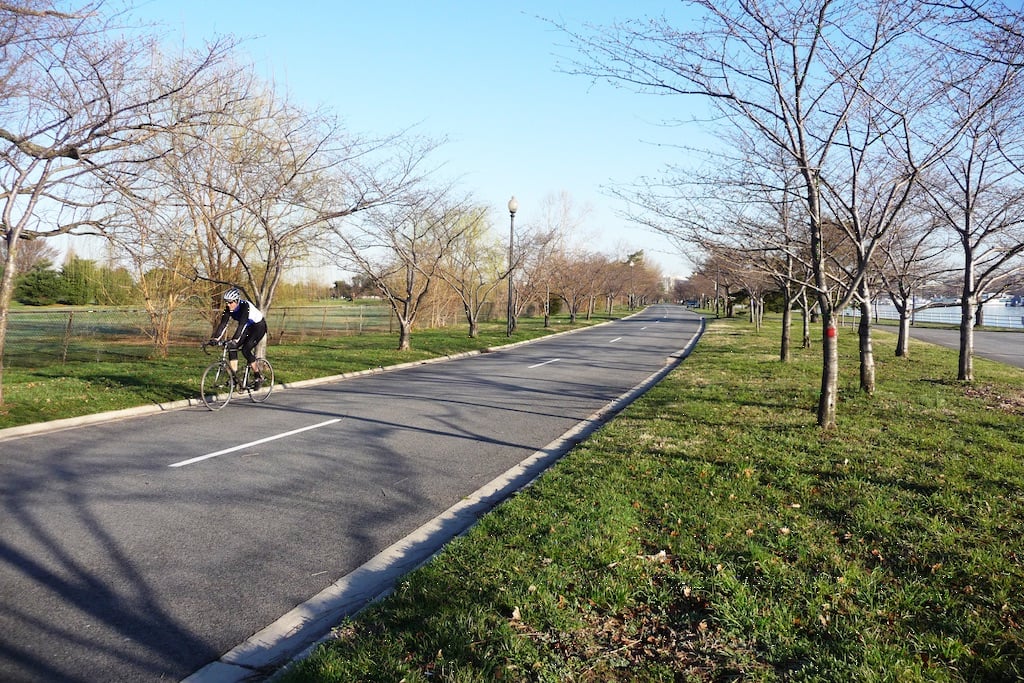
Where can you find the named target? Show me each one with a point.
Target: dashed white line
(253, 443)
(537, 365)
(615, 340)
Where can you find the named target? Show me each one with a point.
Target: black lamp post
(631, 302)
(547, 305)
(513, 206)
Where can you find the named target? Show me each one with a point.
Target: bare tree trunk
(404, 334)
(965, 368)
(903, 340)
(903, 302)
(829, 372)
(6, 295)
(805, 310)
(867, 354)
(787, 328)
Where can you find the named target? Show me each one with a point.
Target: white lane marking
(615, 340)
(553, 360)
(253, 443)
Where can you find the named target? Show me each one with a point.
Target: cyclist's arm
(222, 326)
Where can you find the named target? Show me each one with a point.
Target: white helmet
(232, 294)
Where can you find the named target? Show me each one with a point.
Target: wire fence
(43, 337)
(994, 314)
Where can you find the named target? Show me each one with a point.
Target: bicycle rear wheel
(216, 386)
(262, 392)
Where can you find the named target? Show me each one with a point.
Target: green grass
(54, 390)
(712, 532)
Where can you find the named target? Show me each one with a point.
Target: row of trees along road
(201, 175)
(859, 140)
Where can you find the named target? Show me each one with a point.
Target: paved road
(145, 549)
(1005, 347)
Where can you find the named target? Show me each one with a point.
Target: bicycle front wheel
(217, 386)
(262, 392)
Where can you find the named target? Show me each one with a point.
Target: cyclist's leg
(263, 383)
(250, 340)
(233, 361)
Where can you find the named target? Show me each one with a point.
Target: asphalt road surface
(1005, 347)
(207, 545)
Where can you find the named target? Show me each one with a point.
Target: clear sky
(485, 74)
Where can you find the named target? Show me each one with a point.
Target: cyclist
(252, 327)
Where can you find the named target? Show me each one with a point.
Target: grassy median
(713, 533)
(53, 390)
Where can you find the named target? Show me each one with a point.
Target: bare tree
(161, 256)
(534, 248)
(474, 267)
(401, 247)
(30, 253)
(77, 92)
(538, 247)
(696, 288)
(718, 267)
(811, 80)
(646, 280)
(914, 256)
(260, 186)
(763, 225)
(978, 194)
(619, 281)
(569, 273)
(602, 274)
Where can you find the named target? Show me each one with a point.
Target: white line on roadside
(253, 443)
(537, 365)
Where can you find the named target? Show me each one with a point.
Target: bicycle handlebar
(205, 345)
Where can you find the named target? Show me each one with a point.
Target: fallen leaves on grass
(611, 646)
(1009, 402)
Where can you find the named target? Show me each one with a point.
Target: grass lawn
(54, 390)
(712, 532)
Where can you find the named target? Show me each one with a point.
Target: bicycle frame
(218, 384)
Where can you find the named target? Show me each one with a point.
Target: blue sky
(485, 75)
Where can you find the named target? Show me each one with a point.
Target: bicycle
(219, 384)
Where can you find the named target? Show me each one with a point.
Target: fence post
(67, 338)
(284, 316)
